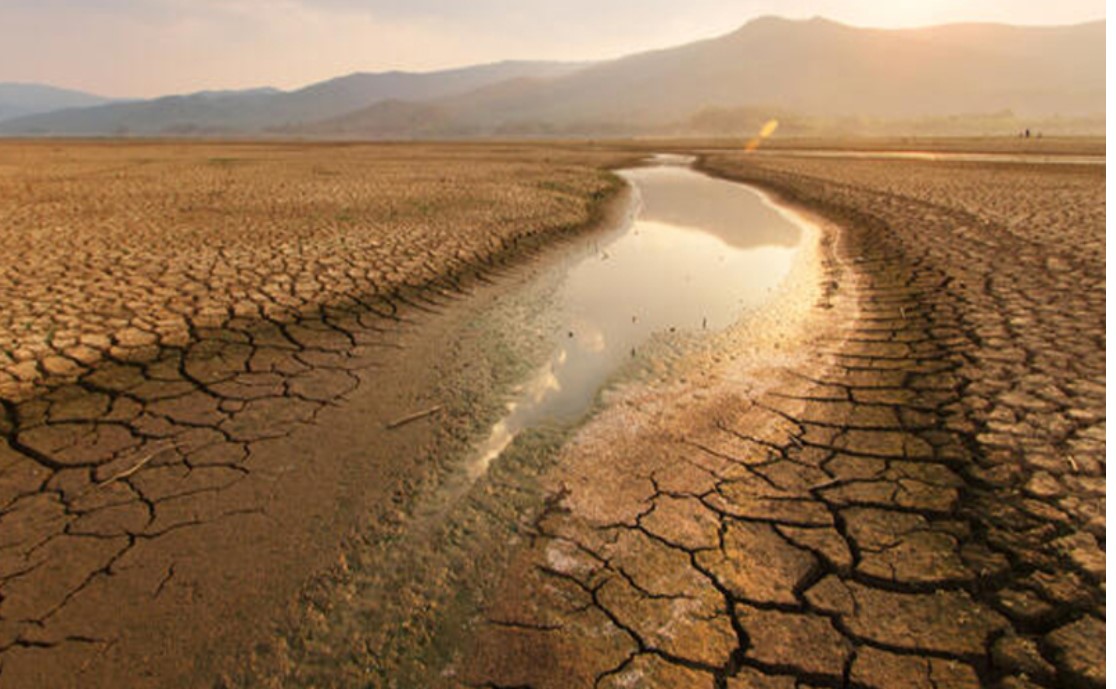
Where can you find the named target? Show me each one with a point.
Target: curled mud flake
(1078, 651)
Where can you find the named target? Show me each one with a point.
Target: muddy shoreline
(918, 499)
(612, 469)
(195, 538)
(412, 568)
(423, 625)
(900, 482)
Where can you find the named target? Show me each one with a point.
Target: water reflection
(716, 207)
(699, 251)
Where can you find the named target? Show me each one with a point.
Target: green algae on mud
(408, 568)
(694, 255)
(410, 598)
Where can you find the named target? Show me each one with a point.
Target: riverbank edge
(288, 641)
(238, 549)
(762, 352)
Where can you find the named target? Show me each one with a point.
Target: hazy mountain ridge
(255, 110)
(21, 100)
(812, 74)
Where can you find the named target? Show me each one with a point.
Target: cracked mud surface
(200, 346)
(907, 490)
(115, 250)
(912, 496)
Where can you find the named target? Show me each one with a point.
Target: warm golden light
(767, 130)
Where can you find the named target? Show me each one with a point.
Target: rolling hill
(20, 100)
(255, 110)
(814, 68)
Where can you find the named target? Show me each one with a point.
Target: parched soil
(1040, 146)
(903, 485)
(200, 345)
(112, 250)
(913, 496)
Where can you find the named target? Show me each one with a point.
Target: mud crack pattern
(921, 504)
(172, 318)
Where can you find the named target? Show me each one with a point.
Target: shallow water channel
(693, 256)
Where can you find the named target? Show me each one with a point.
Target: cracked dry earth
(192, 341)
(915, 499)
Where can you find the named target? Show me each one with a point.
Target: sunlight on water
(698, 253)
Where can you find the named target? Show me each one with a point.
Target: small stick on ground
(135, 467)
(414, 417)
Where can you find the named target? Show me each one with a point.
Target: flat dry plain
(113, 248)
(177, 325)
(916, 499)
(914, 496)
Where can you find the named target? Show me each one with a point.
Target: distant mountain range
(21, 100)
(811, 74)
(256, 110)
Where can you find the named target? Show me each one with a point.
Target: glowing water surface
(697, 253)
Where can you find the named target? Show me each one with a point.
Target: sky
(145, 48)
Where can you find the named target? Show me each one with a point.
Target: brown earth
(114, 249)
(1035, 145)
(912, 497)
(201, 346)
(1069, 146)
(902, 486)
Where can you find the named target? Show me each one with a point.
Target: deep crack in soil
(219, 426)
(916, 500)
(905, 487)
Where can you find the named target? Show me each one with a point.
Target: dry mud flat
(199, 346)
(911, 496)
(900, 484)
(113, 250)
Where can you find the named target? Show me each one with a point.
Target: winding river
(692, 256)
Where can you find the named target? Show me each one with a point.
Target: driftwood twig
(137, 466)
(414, 417)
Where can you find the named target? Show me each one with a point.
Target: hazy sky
(154, 47)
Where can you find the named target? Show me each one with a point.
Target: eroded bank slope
(202, 344)
(912, 496)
